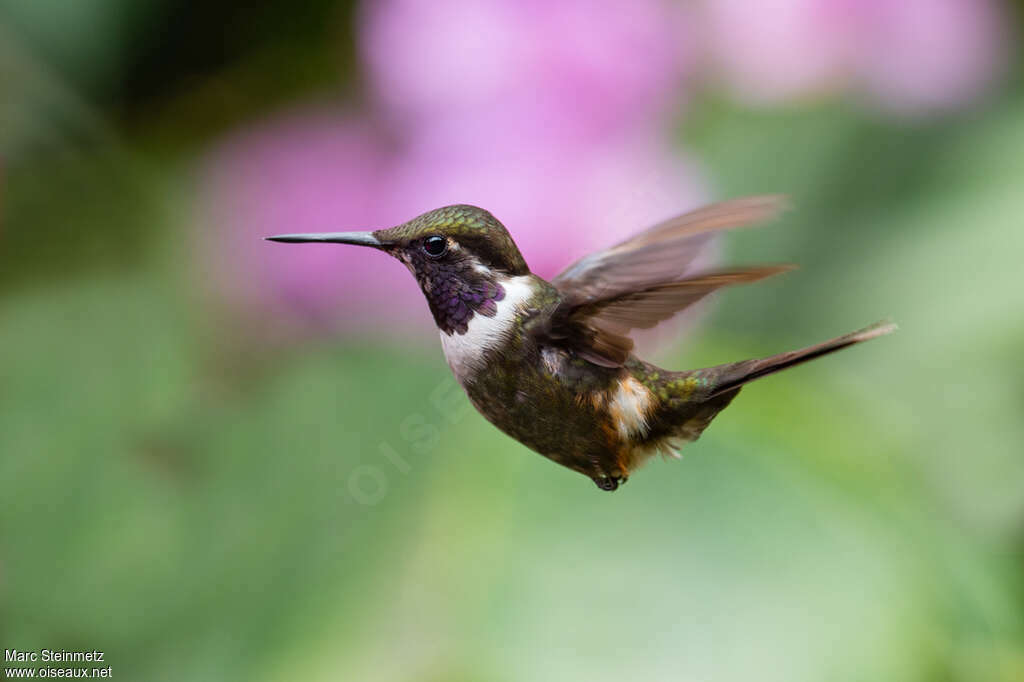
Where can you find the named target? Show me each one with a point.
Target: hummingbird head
(460, 255)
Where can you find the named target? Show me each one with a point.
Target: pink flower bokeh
(590, 67)
(315, 170)
(911, 56)
(931, 55)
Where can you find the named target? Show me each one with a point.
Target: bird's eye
(435, 246)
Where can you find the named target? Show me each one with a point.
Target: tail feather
(737, 374)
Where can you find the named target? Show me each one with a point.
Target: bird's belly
(586, 418)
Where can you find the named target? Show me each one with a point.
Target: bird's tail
(692, 411)
(736, 374)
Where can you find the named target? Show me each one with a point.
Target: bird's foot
(609, 483)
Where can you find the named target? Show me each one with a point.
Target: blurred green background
(201, 499)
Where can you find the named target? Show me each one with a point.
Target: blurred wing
(599, 330)
(639, 282)
(661, 253)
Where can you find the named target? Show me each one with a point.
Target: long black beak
(358, 238)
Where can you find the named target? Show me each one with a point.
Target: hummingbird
(550, 363)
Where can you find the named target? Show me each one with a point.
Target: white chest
(465, 352)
